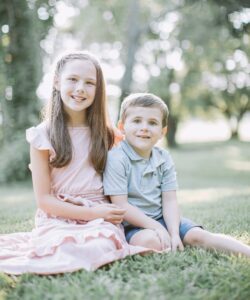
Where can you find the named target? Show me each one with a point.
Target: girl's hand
(164, 238)
(176, 243)
(110, 213)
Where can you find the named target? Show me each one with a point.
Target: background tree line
(193, 54)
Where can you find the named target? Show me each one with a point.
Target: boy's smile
(143, 128)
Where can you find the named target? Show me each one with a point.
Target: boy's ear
(164, 130)
(120, 126)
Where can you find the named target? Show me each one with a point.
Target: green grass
(214, 191)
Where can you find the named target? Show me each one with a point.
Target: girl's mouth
(78, 99)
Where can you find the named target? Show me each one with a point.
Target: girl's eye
(90, 83)
(137, 121)
(72, 79)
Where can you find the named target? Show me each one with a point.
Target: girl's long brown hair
(102, 135)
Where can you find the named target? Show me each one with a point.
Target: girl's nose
(80, 87)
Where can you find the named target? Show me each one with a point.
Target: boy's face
(143, 128)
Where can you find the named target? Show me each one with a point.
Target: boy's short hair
(144, 100)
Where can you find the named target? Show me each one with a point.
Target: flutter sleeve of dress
(39, 139)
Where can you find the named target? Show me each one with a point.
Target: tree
(23, 24)
(216, 61)
(162, 38)
(22, 61)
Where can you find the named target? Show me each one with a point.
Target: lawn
(214, 181)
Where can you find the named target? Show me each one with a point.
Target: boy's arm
(137, 218)
(134, 215)
(115, 183)
(171, 217)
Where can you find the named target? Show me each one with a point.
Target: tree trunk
(234, 126)
(172, 119)
(172, 129)
(132, 43)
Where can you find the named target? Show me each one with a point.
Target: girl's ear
(56, 83)
(120, 126)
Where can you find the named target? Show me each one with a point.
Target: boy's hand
(164, 238)
(176, 243)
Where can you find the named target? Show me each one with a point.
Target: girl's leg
(146, 238)
(205, 239)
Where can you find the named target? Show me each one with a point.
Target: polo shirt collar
(130, 151)
(156, 158)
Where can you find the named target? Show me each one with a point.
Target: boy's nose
(144, 126)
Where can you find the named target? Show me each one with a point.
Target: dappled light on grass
(235, 160)
(17, 193)
(214, 195)
(237, 165)
(233, 151)
(210, 194)
(18, 199)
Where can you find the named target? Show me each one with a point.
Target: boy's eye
(153, 123)
(137, 121)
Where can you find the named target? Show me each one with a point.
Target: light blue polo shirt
(143, 180)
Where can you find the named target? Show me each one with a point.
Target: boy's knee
(197, 237)
(146, 238)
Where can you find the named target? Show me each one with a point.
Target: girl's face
(77, 85)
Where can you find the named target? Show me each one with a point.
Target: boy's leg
(146, 238)
(149, 239)
(205, 239)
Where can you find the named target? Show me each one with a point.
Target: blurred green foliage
(22, 26)
(194, 54)
(14, 159)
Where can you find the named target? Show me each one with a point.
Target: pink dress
(58, 245)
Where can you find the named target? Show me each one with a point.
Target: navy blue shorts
(185, 226)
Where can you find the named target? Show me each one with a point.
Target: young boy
(141, 178)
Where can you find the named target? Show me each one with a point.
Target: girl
(75, 225)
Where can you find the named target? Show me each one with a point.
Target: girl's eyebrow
(75, 75)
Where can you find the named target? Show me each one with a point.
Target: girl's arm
(51, 205)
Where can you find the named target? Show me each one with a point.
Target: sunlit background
(193, 54)
(192, 130)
